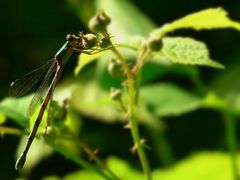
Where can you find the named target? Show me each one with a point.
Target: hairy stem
(132, 113)
(134, 129)
(91, 154)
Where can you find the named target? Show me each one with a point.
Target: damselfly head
(74, 41)
(73, 38)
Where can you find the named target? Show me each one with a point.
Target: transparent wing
(43, 88)
(26, 83)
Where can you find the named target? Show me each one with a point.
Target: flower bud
(99, 22)
(115, 69)
(105, 42)
(89, 40)
(116, 94)
(154, 43)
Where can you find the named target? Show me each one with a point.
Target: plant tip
(99, 22)
(154, 43)
(116, 94)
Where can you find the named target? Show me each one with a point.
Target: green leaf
(16, 109)
(205, 165)
(85, 59)
(94, 102)
(186, 51)
(91, 100)
(168, 99)
(215, 102)
(121, 168)
(83, 175)
(211, 18)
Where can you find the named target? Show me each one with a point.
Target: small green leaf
(85, 59)
(186, 51)
(211, 18)
(168, 99)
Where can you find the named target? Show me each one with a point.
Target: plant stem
(61, 149)
(232, 143)
(118, 54)
(141, 59)
(134, 129)
(132, 113)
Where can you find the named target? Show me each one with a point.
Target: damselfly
(49, 74)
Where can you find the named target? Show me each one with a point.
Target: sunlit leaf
(83, 175)
(211, 18)
(121, 168)
(205, 165)
(85, 59)
(168, 99)
(186, 51)
(2, 118)
(214, 101)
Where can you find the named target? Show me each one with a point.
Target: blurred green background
(31, 32)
